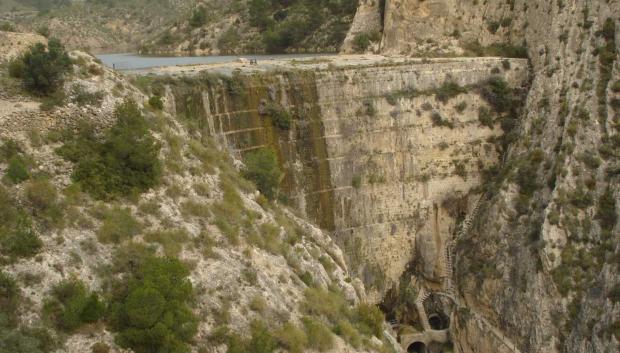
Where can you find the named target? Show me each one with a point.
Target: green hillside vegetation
(287, 24)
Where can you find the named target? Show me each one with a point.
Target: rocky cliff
(542, 260)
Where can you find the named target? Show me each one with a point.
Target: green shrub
(126, 162)
(130, 256)
(485, 117)
(150, 312)
(448, 90)
(294, 24)
(498, 94)
(319, 336)
(171, 240)
(262, 168)
(17, 170)
(7, 27)
(156, 102)
(229, 40)
(506, 64)
(43, 68)
(438, 120)
(497, 49)
(100, 347)
(292, 338)
(361, 42)
(199, 17)
(9, 299)
(330, 305)
(614, 293)
(82, 97)
(607, 213)
(72, 305)
(460, 108)
(16, 68)
(527, 175)
(53, 100)
(306, 277)
(261, 341)
(118, 225)
(26, 340)
(44, 31)
(17, 238)
(369, 319)
(9, 149)
(349, 333)
(22, 241)
(279, 116)
(43, 198)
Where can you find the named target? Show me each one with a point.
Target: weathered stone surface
(503, 274)
(367, 20)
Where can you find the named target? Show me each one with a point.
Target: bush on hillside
(156, 102)
(17, 171)
(607, 214)
(25, 340)
(7, 27)
(261, 167)
(448, 90)
(288, 24)
(125, 162)
(199, 17)
(42, 69)
(73, 305)
(118, 225)
(17, 238)
(361, 42)
(320, 337)
(9, 298)
(18, 162)
(369, 319)
(150, 311)
(279, 116)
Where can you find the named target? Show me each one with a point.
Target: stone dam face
(373, 154)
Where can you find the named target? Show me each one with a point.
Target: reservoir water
(126, 61)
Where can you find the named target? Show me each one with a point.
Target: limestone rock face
(229, 278)
(526, 266)
(367, 20)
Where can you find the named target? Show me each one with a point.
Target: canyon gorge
(456, 165)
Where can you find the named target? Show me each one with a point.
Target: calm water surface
(139, 62)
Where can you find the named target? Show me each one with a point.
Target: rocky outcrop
(262, 272)
(368, 19)
(542, 263)
(535, 236)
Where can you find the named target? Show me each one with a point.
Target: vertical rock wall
(542, 265)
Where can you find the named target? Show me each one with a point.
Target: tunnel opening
(438, 321)
(416, 347)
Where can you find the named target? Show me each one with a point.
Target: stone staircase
(449, 289)
(419, 304)
(448, 253)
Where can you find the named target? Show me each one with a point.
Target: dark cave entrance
(438, 321)
(416, 347)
